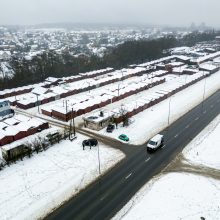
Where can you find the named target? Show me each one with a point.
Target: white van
(156, 142)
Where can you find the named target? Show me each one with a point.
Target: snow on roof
(28, 139)
(21, 118)
(156, 61)
(159, 72)
(28, 98)
(52, 79)
(2, 134)
(207, 66)
(39, 90)
(58, 90)
(3, 125)
(11, 121)
(2, 52)
(24, 126)
(217, 60)
(179, 69)
(182, 57)
(210, 56)
(36, 122)
(96, 117)
(176, 64)
(11, 131)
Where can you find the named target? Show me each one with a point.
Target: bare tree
(124, 115)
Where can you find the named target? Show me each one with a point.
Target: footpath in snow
(185, 194)
(32, 188)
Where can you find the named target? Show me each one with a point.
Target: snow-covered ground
(182, 195)
(33, 187)
(205, 148)
(151, 121)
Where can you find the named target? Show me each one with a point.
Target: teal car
(123, 137)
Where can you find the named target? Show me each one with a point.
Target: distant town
(26, 43)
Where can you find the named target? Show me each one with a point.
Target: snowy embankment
(190, 194)
(151, 121)
(34, 187)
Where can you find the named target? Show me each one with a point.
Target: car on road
(110, 128)
(156, 142)
(123, 137)
(89, 142)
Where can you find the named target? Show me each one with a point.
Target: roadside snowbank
(205, 148)
(175, 196)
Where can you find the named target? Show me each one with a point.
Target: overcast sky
(168, 12)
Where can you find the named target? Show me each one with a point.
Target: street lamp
(118, 88)
(168, 119)
(72, 127)
(99, 160)
(38, 107)
(204, 88)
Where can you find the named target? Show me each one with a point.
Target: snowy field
(183, 195)
(151, 121)
(33, 187)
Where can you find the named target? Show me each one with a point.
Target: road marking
(147, 160)
(204, 112)
(128, 176)
(176, 136)
(187, 126)
(211, 106)
(197, 119)
(104, 197)
(163, 146)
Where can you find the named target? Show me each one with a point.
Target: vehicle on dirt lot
(89, 142)
(123, 137)
(156, 142)
(110, 128)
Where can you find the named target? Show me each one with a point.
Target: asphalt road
(104, 198)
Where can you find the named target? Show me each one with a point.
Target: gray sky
(171, 12)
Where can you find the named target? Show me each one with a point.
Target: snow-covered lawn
(182, 195)
(176, 197)
(151, 121)
(205, 148)
(33, 187)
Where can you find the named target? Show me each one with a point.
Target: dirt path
(182, 165)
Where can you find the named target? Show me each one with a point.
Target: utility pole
(118, 89)
(66, 106)
(99, 161)
(72, 127)
(203, 97)
(168, 120)
(38, 104)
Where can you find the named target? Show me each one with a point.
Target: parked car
(90, 143)
(123, 137)
(156, 142)
(110, 128)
